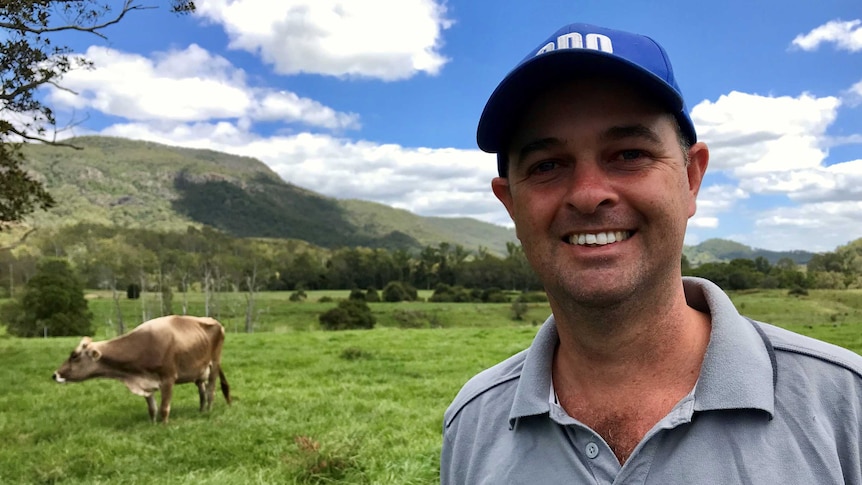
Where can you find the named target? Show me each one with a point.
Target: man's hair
(684, 142)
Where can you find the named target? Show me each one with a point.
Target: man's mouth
(599, 238)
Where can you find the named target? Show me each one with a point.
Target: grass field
(354, 407)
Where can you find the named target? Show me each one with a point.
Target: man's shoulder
(797, 345)
(491, 379)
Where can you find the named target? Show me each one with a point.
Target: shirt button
(592, 450)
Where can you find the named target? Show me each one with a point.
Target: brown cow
(153, 357)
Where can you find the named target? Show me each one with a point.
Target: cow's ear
(85, 342)
(94, 354)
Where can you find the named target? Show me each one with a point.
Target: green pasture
(274, 312)
(352, 407)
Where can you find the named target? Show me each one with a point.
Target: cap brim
(524, 83)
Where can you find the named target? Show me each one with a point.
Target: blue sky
(379, 99)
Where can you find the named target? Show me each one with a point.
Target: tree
(52, 304)
(30, 60)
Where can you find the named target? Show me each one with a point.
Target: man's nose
(590, 187)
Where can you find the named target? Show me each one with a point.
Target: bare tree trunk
(144, 315)
(116, 296)
(159, 282)
(217, 287)
(207, 290)
(185, 283)
(250, 281)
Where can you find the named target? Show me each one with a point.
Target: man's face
(600, 193)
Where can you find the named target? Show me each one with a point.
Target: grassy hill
(723, 250)
(115, 181)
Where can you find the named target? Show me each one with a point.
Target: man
(639, 375)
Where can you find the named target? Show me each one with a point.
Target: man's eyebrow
(637, 130)
(537, 145)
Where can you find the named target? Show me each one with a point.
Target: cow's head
(81, 364)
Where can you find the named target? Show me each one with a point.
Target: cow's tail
(225, 387)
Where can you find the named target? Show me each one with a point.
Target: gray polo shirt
(769, 407)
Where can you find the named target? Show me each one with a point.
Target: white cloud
(189, 85)
(384, 39)
(853, 95)
(838, 182)
(778, 146)
(712, 201)
(749, 134)
(821, 226)
(845, 35)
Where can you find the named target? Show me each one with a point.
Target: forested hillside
(120, 183)
(723, 250)
(135, 184)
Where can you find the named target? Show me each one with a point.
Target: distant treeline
(109, 257)
(840, 269)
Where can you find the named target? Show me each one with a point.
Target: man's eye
(545, 166)
(631, 154)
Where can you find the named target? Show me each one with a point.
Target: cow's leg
(211, 383)
(202, 392)
(151, 407)
(167, 389)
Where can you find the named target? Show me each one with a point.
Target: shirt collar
(737, 370)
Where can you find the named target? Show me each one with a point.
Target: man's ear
(500, 186)
(698, 160)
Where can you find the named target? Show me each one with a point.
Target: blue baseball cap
(579, 49)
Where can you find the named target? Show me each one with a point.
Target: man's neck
(621, 376)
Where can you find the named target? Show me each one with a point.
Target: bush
(356, 294)
(298, 295)
(519, 308)
(494, 295)
(415, 319)
(52, 304)
(348, 315)
(533, 297)
(133, 292)
(797, 291)
(455, 294)
(399, 291)
(372, 296)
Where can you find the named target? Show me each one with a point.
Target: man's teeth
(599, 239)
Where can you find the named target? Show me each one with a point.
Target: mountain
(723, 250)
(115, 181)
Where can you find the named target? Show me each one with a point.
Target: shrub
(494, 295)
(372, 295)
(519, 308)
(356, 294)
(52, 303)
(348, 315)
(415, 319)
(399, 291)
(298, 295)
(797, 291)
(533, 297)
(455, 294)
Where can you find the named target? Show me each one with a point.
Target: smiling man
(639, 375)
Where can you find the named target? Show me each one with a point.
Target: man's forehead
(647, 127)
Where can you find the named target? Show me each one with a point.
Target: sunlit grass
(353, 407)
